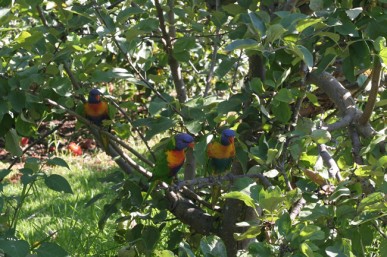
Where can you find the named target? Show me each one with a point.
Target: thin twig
(37, 141)
(135, 128)
(375, 82)
(102, 131)
(132, 66)
(211, 70)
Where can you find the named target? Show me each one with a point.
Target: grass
(64, 216)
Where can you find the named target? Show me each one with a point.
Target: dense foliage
(301, 82)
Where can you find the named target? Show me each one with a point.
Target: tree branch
(375, 82)
(333, 169)
(190, 214)
(297, 208)
(342, 98)
(133, 67)
(173, 63)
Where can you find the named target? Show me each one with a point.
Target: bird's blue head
(94, 96)
(227, 137)
(183, 140)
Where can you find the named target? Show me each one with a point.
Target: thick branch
(208, 181)
(338, 94)
(344, 101)
(190, 214)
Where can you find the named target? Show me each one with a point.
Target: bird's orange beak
(191, 145)
(231, 139)
(97, 97)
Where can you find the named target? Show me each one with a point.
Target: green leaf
(225, 66)
(18, 100)
(312, 232)
(163, 253)
(354, 13)
(306, 56)
(233, 9)
(339, 192)
(212, 246)
(383, 55)
(22, 37)
(284, 224)
(58, 183)
(383, 247)
(184, 44)
(284, 95)
(271, 198)
(316, 5)
(257, 85)
(325, 62)
(15, 248)
(241, 196)
(306, 23)
(251, 232)
(12, 143)
(321, 136)
(231, 105)
(242, 44)
(360, 54)
(258, 24)
(312, 98)
(48, 249)
(373, 202)
(259, 249)
(275, 32)
(185, 250)
(150, 235)
(306, 249)
(4, 173)
(56, 161)
(4, 11)
(281, 111)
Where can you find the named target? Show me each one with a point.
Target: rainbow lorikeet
(220, 153)
(95, 110)
(170, 157)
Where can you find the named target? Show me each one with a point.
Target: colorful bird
(95, 110)
(170, 157)
(220, 153)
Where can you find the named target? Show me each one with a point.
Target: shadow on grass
(74, 226)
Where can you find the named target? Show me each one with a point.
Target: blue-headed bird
(170, 157)
(220, 153)
(96, 110)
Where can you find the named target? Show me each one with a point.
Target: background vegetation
(301, 82)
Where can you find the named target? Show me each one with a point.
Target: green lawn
(74, 226)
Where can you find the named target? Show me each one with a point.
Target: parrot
(95, 110)
(170, 157)
(220, 153)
